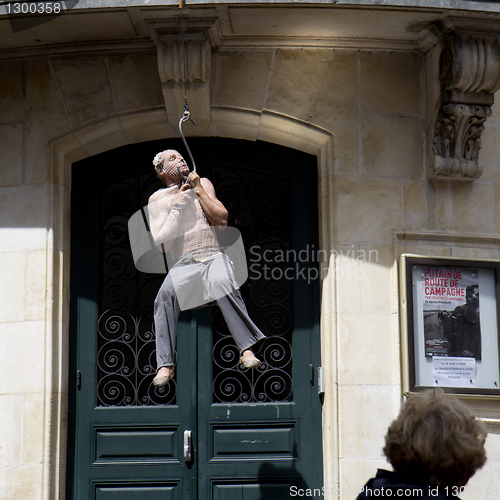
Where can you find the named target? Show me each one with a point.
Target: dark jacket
(400, 487)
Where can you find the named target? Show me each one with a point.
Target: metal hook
(187, 116)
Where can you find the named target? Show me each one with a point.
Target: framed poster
(450, 324)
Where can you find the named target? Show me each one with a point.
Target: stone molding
(147, 125)
(469, 69)
(441, 238)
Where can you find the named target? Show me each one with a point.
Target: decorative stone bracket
(171, 59)
(470, 75)
(197, 53)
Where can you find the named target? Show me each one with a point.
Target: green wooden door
(254, 433)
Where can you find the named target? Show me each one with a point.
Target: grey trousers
(191, 283)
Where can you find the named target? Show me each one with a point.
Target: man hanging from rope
(182, 217)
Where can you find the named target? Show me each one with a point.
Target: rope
(184, 58)
(186, 115)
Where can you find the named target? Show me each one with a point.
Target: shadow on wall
(280, 482)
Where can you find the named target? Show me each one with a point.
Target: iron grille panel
(259, 205)
(126, 357)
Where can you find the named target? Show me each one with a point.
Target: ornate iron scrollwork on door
(126, 341)
(259, 206)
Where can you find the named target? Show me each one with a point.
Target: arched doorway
(254, 433)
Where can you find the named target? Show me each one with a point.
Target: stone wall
(366, 114)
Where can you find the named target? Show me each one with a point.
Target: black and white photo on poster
(451, 311)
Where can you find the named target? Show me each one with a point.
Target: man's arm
(214, 209)
(165, 224)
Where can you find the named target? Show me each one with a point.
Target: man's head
(472, 295)
(170, 167)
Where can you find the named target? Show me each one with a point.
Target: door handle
(188, 446)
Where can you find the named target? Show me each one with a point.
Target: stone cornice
(243, 26)
(459, 5)
(228, 44)
(81, 49)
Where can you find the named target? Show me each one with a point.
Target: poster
(453, 372)
(451, 311)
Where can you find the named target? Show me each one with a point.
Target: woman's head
(436, 440)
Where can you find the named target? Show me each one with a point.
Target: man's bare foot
(165, 373)
(248, 359)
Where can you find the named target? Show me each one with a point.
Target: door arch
(270, 444)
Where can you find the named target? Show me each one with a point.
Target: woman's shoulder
(387, 483)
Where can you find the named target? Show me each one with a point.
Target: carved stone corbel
(470, 75)
(198, 57)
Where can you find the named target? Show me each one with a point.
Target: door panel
(260, 206)
(117, 413)
(131, 491)
(255, 432)
(265, 446)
